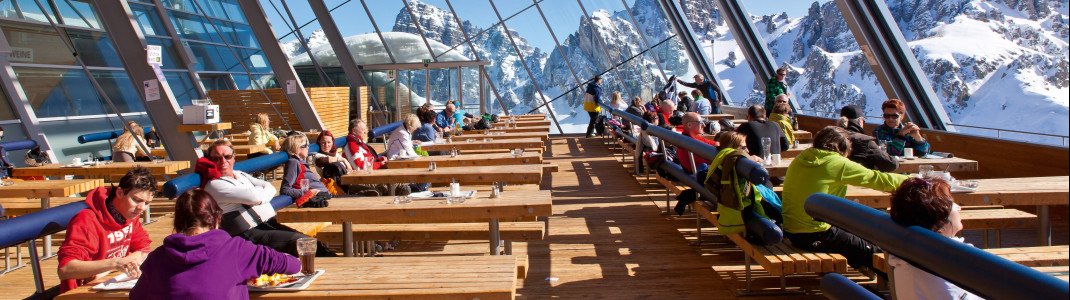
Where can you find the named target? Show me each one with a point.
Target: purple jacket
(211, 265)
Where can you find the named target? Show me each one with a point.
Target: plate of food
(117, 283)
(282, 282)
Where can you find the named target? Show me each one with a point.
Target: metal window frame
(19, 102)
(893, 62)
(674, 13)
(523, 63)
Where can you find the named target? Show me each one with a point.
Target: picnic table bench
(954, 164)
(513, 174)
(103, 169)
(388, 278)
(1042, 256)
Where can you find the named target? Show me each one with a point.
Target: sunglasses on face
(891, 116)
(781, 74)
(222, 157)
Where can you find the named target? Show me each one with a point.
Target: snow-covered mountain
(993, 63)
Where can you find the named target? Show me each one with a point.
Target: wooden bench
(1042, 256)
(550, 167)
(310, 228)
(781, 259)
(21, 206)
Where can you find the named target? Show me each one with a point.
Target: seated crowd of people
(228, 221)
(840, 156)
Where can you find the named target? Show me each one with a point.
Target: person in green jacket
(741, 205)
(774, 87)
(826, 169)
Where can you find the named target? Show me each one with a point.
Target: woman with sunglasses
(898, 134)
(315, 193)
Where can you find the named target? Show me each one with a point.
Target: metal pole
(642, 37)
(301, 39)
(379, 33)
(472, 47)
(412, 16)
(525, 65)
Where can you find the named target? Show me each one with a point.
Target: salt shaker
(432, 166)
(495, 191)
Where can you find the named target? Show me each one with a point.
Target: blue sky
(563, 15)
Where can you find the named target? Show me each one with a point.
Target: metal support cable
(412, 16)
(301, 39)
(241, 62)
(603, 72)
(471, 46)
(642, 38)
(378, 32)
(527, 69)
(63, 36)
(604, 49)
(557, 43)
(481, 32)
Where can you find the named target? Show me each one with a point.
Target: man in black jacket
(864, 148)
(708, 90)
(758, 127)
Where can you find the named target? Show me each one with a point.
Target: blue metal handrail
(837, 287)
(968, 267)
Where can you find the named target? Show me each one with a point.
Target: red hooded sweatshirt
(94, 235)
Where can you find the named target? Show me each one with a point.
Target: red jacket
(94, 235)
(361, 154)
(683, 155)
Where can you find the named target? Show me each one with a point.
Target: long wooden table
(512, 174)
(543, 129)
(381, 210)
(717, 117)
(501, 135)
(461, 143)
(793, 152)
(1039, 191)
(905, 166)
(406, 277)
(526, 123)
(165, 168)
(45, 190)
(468, 160)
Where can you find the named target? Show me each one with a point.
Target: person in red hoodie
(693, 129)
(107, 236)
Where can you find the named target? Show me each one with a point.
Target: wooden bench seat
(550, 167)
(780, 259)
(510, 231)
(22, 206)
(998, 218)
(310, 228)
(675, 188)
(1042, 256)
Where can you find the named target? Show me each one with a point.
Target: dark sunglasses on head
(891, 116)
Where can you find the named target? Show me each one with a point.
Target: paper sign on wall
(155, 54)
(152, 90)
(291, 86)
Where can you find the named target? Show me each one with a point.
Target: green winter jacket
(821, 171)
(773, 88)
(730, 220)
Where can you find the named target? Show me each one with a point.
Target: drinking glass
(924, 171)
(471, 140)
(303, 185)
(306, 250)
(488, 140)
(883, 146)
(766, 153)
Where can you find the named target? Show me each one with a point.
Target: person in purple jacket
(201, 261)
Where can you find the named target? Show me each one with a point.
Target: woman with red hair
(925, 203)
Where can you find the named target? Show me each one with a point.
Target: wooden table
(515, 174)
(526, 123)
(793, 152)
(381, 210)
(165, 168)
(1061, 272)
(403, 277)
(716, 117)
(46, 189)
(905, 166)
(468, 160)
(1039, 191)
(500, 135)
(461, 143)
(543, 129)
(803, 136)
(207, 128)
(243, 149)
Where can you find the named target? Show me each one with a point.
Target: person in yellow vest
(592, 101)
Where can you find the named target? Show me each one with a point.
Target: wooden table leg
(1044, 228)
(495, 237)
(347, 238)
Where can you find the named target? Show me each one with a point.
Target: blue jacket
(896, 143)
(443, 121)
(596, 91)
(702, 106)
(425, 133)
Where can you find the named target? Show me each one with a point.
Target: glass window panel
(357, 30)
(193, 27)
(720, 48)
(995, 66)
(77, 13)
(182, 87)
(5, 108)
(836, 73)
(442, 30)
(265, 81)
(23, 9)
(213, 82)
(67, 92)
(148, 19)
(398, 31)
(220, 9)
(39, 45)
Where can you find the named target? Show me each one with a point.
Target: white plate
(961, 189)
(117, 283)
(429, 195)
(302, 283)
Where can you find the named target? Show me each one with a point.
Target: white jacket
(914, 283)
(233, 193)
(399, 144)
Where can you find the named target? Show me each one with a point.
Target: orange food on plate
(272, 280)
